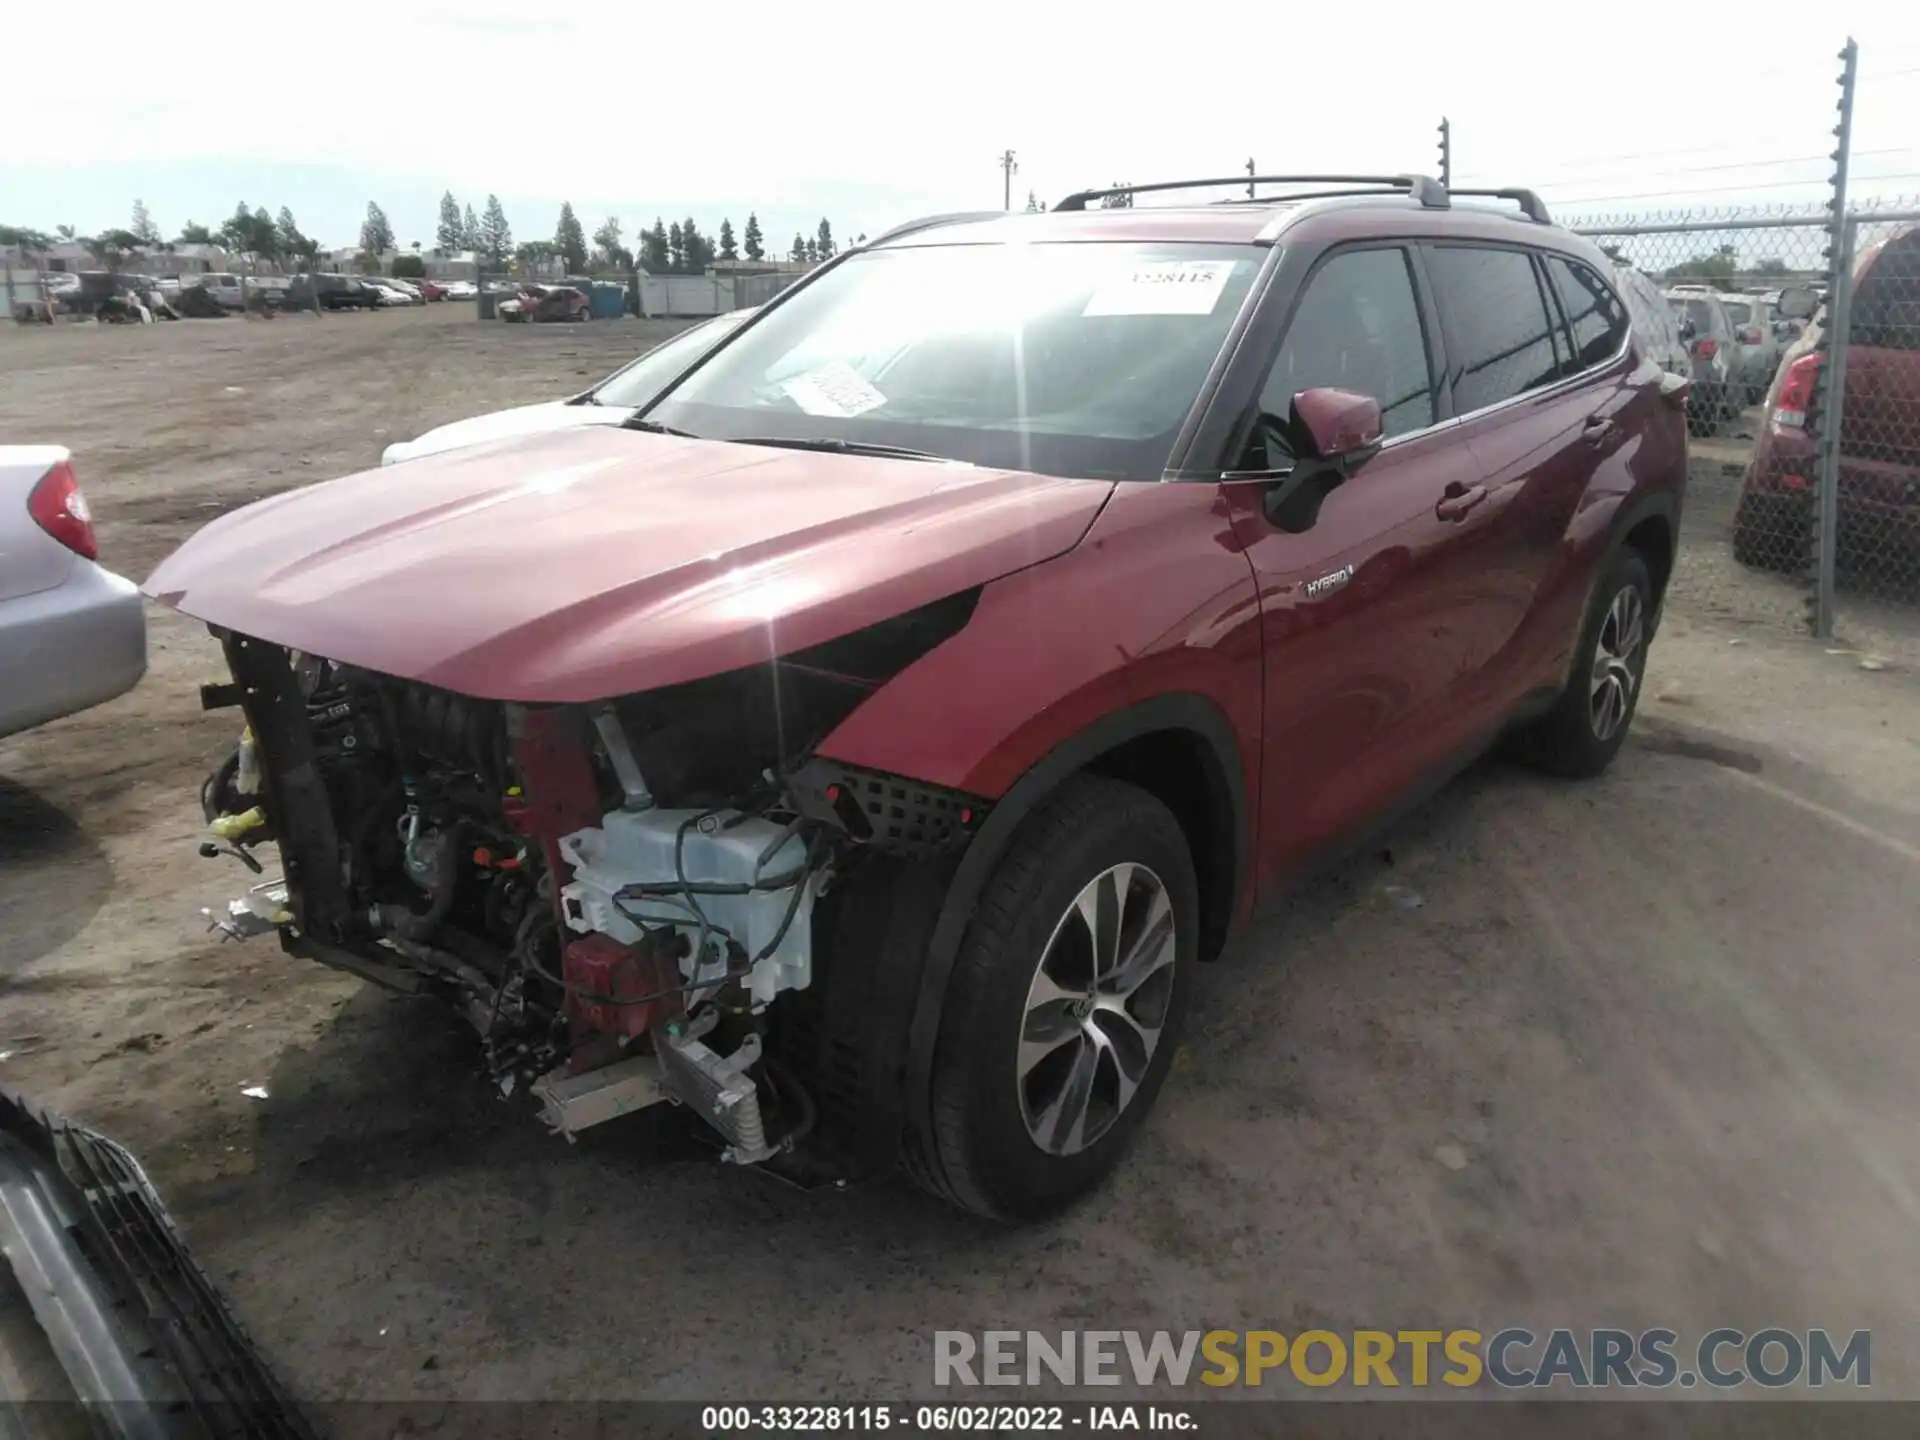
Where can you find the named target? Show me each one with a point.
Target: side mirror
(1798, 302)
(1749, 335)
(1332, 433)
(1688, 329)
(1338, 425)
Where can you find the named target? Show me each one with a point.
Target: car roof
(1249, 222)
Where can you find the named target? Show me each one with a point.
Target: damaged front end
(661, 896)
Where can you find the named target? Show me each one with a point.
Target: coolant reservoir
(637, 848)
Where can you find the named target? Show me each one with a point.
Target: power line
(1794, 139)
(1728, 189)
(1703, 169)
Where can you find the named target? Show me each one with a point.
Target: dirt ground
(1644, 1055)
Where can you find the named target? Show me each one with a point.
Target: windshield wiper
(835, 446)
(653, 427)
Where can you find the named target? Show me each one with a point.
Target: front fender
(1150, 624)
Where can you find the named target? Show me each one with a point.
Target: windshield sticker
(835, 389)
(1163, 287)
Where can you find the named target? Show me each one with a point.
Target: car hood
(502, 425)
(596, 562)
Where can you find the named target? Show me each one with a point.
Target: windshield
(1737, 313)
(637, 383)
(1068, 359)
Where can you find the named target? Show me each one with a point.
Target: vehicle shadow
(53, 877)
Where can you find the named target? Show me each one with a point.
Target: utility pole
(1250, 177)
(1446, 154)
(1008, 169)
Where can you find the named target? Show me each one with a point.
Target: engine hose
(790, 1089)
(421, 925)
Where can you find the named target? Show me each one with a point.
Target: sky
(870, 114)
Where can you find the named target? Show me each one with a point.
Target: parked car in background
(866, 743)
(402, 286)
(1708, 336)
(611, 402)
(72, 633)
(1756, 348)
(1653, 322)
(545, 302)
(386, 294)
(1878, 498)
(461, 289)
(344, 292)
(228, 289)
(430, 290)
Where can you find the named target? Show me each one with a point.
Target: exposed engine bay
(630, 901)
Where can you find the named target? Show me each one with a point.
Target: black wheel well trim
(1655, 505)
(1175, 711)
(1658, 505)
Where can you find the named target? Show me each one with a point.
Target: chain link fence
(1874, 504)
(1800, 328)
(1730, 297)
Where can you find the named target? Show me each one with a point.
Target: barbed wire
(1734, 217)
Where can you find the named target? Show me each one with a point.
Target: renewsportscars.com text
(1512, 1358)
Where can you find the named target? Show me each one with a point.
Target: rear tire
(1579, 737)
(1065, 1004)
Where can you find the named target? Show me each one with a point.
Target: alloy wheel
(1617, 658)
(1096, 1009)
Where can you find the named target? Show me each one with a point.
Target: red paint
(1444, 581)
(606, 977)
(1339, 421)
(601, 562)
(558, 794)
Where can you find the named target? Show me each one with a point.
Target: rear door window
(1594, 313)
(1499, 333)
(1886, 300)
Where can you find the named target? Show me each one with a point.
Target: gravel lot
(1643, 1056)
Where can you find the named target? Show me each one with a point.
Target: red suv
(864, 745)
(1878, 500)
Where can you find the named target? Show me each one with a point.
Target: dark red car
(1878, 495)
(865, 745)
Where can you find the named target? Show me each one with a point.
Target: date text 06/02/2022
(929, 1419)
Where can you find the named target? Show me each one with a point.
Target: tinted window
(1594, 313)
(1500, 342)
(1886, 302)
(1704, 314)
(1357, 328)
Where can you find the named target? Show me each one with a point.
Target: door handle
(1458, 500)
(1597, 429)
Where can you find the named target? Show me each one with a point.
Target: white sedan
(386, 294)
(460, 289)
(610, 402)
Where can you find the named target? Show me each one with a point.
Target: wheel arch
(1179, 747)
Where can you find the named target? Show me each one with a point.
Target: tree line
(681, 248)
(252, 233)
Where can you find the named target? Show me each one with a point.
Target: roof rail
(1423, 188)
(929, 222)
(1531, 205)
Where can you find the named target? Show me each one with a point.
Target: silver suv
(1708, 335)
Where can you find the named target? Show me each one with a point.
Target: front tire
(1585, 729)
(1065, 1004)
